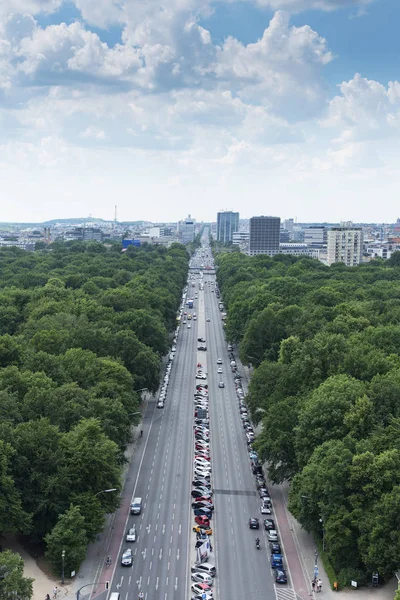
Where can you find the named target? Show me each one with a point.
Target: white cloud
(283, 66)
(365, 110)
(301, 5)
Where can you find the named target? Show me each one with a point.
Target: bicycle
(108, 561)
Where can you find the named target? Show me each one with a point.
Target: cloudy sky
(165, 107)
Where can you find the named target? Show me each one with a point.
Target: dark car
(203, 504)
(202, 348)
(269, 524)
(276, 561)
(200, 493)
(254, 523)
(275, 548)
(203, 512)
(201, 340)
(280, 576)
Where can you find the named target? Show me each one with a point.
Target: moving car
(131, 534)
(202, 348)
(201, 339)
(221, 384)
(254, 523)
(219, 370)
(136, 506)
(127, 558)
(219, 361)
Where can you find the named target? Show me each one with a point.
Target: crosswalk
(285, 593)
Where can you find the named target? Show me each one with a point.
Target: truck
(190, 303)
(220, 306)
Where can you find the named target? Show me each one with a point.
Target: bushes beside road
(325, 342)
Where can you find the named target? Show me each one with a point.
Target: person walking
(313, 585)
(319, 585)
(141, 433)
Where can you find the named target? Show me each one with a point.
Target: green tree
(69, 535)
(13, 584)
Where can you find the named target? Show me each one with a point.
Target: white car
(199, 588)
(189, 326)
(131, 534)
(272, 535)
(203, 578)
(266, 509)
(219, 361)
(208, 319)
(219, 370)
(160, 404)
(203, 461)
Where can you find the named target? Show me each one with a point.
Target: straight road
(243, 571)
(161, 476)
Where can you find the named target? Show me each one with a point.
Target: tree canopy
(82, 328)
(325, 342)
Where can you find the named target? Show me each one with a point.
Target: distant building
(84, 234)
(240, 237)
(316, 236)
(227, 223)
(264, 235)
(299, 249)
(345, 244)
(284, 236)
(29, 246)
(186, 230)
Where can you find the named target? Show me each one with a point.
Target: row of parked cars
(202, 573)
(266, 508)
(163, 391)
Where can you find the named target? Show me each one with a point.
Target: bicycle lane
(299, 583)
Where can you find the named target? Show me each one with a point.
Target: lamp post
(105, 491)
(63, 563)
(323, 534)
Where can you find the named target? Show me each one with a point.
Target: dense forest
(82, 328)
(325, 344)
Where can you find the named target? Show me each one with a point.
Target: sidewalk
(300, 548)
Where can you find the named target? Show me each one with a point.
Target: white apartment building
(345, 244)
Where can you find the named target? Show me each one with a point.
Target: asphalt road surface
(161, 474)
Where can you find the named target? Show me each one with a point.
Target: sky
(169, 107)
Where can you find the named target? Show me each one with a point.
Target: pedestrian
(313, 585)
(141, 433)
(55, 592)
(319, 585)
(47, 597)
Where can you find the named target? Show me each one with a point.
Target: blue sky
(288, 107)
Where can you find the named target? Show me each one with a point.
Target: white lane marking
(157, 584)
(177, 555)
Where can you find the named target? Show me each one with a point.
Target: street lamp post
(105, 491)
(323, 534)
(63, 563)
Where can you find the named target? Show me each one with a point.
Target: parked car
(276, 561)
(272, 535)
(269, 524)
(202, 578)
(280, 576)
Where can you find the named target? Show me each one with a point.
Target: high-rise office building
(264, 235)
(316, 235)
(345, 244)
(186, 230)
(227, 223)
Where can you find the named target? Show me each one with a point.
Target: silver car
(131, 534)
(202, 578)
(272, 535)
(127, 558)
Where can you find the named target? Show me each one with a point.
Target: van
(136, 506)
(204, 568)
(114, 596)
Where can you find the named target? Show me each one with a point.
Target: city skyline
(166, 107)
